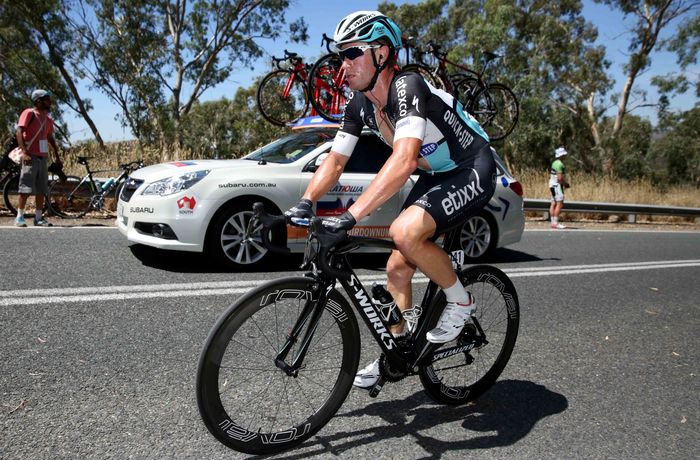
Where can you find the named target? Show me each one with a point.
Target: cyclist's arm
(326, 176)
(393, 175)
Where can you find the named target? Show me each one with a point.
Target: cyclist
(428, 129)
(557, 184)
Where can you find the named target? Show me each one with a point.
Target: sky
(611, 25)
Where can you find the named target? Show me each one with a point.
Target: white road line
(222, 288)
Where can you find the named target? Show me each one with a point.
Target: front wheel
(282, 97)
(465, 376)
(70, 198)
(245, 399)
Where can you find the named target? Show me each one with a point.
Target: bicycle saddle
(83, 160)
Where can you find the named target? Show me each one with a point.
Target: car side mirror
(314, 165)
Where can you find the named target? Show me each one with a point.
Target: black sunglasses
(355, 52)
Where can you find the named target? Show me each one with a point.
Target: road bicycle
(76, 196)
(328, 85)
(283, 96)
(494, 105)
(281, 360)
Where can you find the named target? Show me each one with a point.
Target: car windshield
(292, 147)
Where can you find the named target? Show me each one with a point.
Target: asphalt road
(100, 340)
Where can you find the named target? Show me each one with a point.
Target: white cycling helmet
(560, 152)
(367, 26)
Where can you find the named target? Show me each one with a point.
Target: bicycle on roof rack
(327, 84)
(493, 104)
(280, 361)
(282, 96)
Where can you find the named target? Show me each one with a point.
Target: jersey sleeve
(350, 128)
(409, 98)
(24, 118)
(558, 167)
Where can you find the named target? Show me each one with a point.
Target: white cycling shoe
(368, 376)
(452, 321)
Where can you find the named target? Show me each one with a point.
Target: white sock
(555, 220)
(20, 213)
(456, 293)
(37, 214)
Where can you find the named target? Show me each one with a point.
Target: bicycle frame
(409, 359)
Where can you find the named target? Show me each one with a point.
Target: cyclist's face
(359, 71)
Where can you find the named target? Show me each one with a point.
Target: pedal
(376, 388)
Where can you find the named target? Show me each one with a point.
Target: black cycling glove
(344, 221)
(303, 210)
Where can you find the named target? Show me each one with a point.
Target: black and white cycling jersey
(451, 137)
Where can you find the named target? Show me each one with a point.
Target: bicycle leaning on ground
(281, 360)
(75, 197)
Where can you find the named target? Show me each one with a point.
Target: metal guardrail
(631, 210)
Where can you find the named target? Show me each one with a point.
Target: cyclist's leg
(399, 274)
(455, 197)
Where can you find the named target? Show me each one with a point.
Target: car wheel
(233, 243)
(478, 236)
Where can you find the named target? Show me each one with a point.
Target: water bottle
(385, 304)
(107, 184)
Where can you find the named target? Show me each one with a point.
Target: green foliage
(677, 152)
(228, 128)
(24, 66)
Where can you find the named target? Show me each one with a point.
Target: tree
(43, 39)
(548, 59)
(156, 58)
(652, 16)
(228, 128)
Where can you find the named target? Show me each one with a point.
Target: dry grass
(108, 160)
(585, 187)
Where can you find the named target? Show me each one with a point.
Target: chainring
(389, 374)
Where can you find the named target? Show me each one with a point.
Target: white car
(205, 205)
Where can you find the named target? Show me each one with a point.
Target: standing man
(557, 184)
(34, 136)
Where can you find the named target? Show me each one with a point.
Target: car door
(366, 161)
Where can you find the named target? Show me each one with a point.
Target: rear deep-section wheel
(245, 399)
(487, 342)
(70, 198)
(280, 99)
(496, 109)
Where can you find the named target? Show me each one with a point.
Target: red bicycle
(328, 87)
(282, 95)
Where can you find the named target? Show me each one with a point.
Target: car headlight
(175, 184)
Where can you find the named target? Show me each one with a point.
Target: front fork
(309, 317)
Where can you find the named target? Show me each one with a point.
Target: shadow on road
(501, 417)
(194, 262)
(505, 255)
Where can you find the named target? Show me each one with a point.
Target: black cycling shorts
(454, 196)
